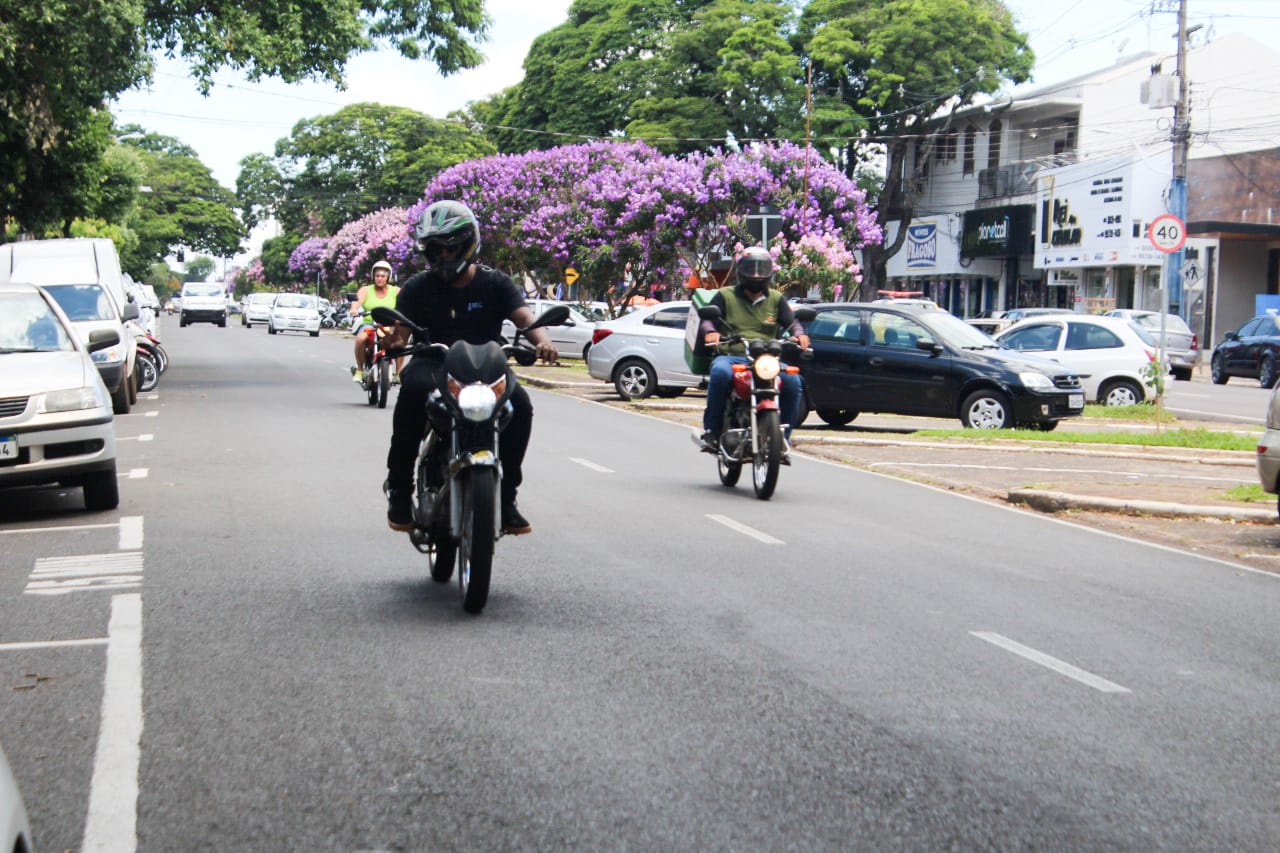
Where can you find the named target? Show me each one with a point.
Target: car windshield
(28, 324)
(82, 301)
(953, 330)
(294, 300)
(203, 290)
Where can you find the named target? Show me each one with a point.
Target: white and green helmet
(448, 226)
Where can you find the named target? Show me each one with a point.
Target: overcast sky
(238, 118)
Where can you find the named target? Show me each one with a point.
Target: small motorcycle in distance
(752, 432)
(459, 522)
(376, 378)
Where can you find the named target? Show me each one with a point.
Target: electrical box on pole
(1159, 91)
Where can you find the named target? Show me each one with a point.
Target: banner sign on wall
(997, 232)
(922, 247)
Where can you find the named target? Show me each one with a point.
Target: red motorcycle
(376, 378)
(752, 432)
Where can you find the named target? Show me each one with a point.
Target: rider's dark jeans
(409, 425)
(721, 379)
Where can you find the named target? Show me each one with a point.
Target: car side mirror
(103, 338)
(130, 312)
(929, 345)
(805, 315)
(1231, 336)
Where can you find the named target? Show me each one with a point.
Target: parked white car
(572, 338)
(1268, 459)
(1110, 354)
(56, 423)
(294, 312)
(642, 353)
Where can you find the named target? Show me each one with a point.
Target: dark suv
(911, 361)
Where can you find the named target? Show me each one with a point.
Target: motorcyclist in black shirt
(455, 299)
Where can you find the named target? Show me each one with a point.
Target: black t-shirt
(473, 313)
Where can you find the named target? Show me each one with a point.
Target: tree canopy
(335, 168)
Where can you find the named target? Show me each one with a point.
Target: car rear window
(672, 318)
(82, 301)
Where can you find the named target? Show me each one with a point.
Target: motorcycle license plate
(1076, 401)
(8, 447)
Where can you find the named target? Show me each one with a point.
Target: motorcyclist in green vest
(753, 311)
(368, 297)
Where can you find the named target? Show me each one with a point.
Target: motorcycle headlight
(1036, 381)
(108, 355)
(71, 400)
(768, 367)
(477, 402)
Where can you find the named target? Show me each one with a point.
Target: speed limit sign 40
(1167, 233)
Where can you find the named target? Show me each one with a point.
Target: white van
(203, 302)
(85, 278)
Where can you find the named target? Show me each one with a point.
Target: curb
(1051, 502)
(1241, 458)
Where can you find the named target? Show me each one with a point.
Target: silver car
(1268, 459)
(642, 353)
(256, 308)
(56, 423)
(1181, 346)
(294, 312)
(572, 337)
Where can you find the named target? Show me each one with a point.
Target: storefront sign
(1096, 213)
(1064, 278)
(997, 232)
(922, 247)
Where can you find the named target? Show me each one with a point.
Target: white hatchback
(642, 353)
(294, 312)
(1112, 355)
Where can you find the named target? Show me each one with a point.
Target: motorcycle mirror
(709, 312)
(553, 316)
(805, 315)
(384, 316)
(351, 297)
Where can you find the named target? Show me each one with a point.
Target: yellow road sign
(570, 275)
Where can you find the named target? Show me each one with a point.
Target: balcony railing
(1018, 178)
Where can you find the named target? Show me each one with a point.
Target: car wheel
(1267, 371)
(837, 417)
(586, 353)
(1218, 370)
(1182, 374)
(986, 409)
(102, 490)
(1120, 392)
(315, 334)
(634, 380)
(271, 330)
(120, 399)
(669, 392)
(132, 381)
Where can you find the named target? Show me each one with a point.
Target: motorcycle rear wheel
(764, 467)
(384, 382)
(475, 547)
(148, 372)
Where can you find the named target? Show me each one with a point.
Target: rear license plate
(1075, 401)
(8, 447)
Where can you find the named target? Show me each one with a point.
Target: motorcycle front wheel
(384, 382)
(764, 467)
(479, 500)
(370, 384)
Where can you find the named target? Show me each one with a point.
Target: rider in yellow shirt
(380, 293)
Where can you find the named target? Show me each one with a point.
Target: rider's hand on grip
(713, 339)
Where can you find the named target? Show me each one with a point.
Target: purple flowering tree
(350, 253)
(307, 258)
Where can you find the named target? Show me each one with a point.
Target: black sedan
(905, 361)
(1252, 351)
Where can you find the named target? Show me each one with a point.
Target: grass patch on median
(1138, 412)
(1202, 439)
(1249, 493)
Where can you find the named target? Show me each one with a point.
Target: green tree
(275, 258)
(182, 205)
(363, 158)
(888, 71)
(198, 268)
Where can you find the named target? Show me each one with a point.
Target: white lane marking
(137, 474)
(146, 436)
(745, 530)
(130, 533)
(112, 821)
(1133, 475)
(50, 644)
(57, 529)
(152, 397)
(586, 463)
(151, 415)
(61, 575)
(1058, 666)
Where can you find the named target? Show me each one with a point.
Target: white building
(1044, 197)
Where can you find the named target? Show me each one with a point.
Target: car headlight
(109, 354)
(768, 367)
(477, 402)
(1036, 381)
(71, 400)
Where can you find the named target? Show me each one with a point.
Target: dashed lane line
(586, 463)
(1059, 666)
(745, 530)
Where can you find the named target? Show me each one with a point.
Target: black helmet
(448, 225)
(755, 268)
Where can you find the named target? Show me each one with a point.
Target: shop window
(970, 137)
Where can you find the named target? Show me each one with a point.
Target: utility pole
(1180, 136)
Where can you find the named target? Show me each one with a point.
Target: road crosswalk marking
(62, 575)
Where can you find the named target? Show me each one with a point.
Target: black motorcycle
(460, 521)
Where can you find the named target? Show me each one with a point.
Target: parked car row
(912, 359)
(1251, 351)
(281, 312)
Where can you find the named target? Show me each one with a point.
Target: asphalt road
(861, 662)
